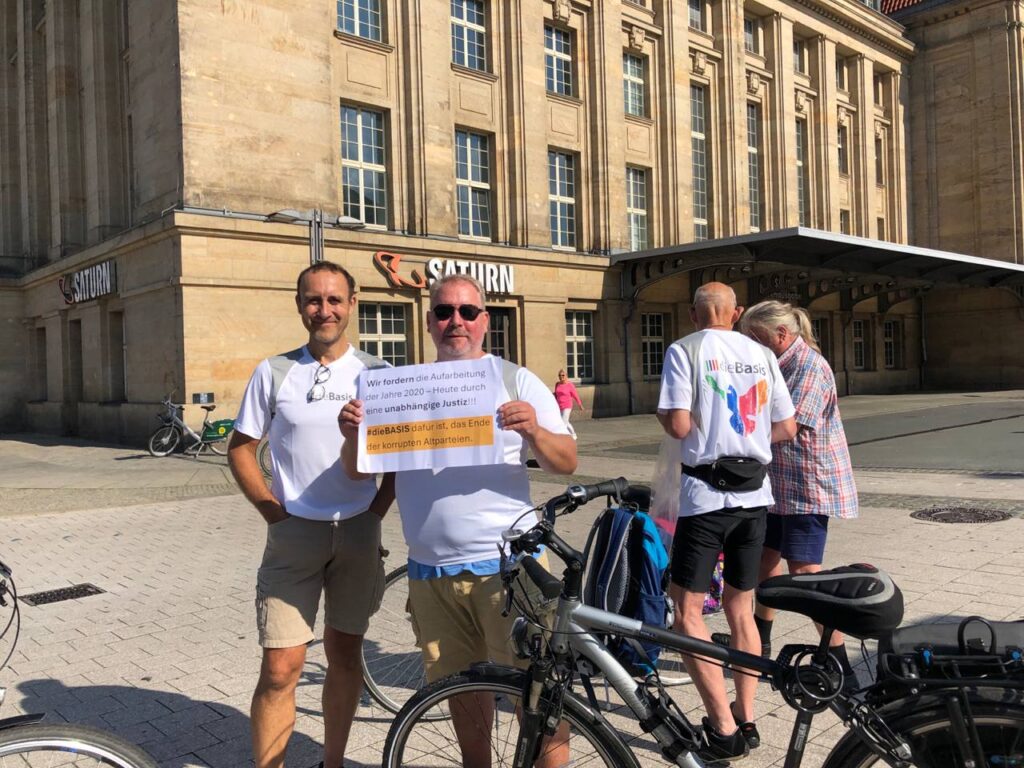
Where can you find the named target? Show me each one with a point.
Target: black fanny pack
(730, 473)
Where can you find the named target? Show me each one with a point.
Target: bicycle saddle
(858, 600)
(207, 408)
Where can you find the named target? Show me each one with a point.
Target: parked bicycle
(166, 439)
(26, 743)
(936, 704)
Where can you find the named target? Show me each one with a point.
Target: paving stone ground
(167, 656)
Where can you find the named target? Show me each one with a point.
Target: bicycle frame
(173, 417)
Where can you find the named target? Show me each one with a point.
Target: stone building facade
(145, 148)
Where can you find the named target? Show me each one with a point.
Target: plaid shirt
(811, 474)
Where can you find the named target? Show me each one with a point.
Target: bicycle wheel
(932, 741)
(392, 663)
(164, 441)
(263, 457)
(43, 746)
(416, 740)
(220, 447)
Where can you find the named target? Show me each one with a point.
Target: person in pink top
(565, 396)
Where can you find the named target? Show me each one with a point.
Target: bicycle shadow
(175, 729)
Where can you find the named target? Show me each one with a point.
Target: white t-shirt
(457, 515)
(741, 393)
(305, 442)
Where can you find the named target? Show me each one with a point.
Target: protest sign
(430, 416)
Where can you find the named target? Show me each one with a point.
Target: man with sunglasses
(453, 518)
(323, 528)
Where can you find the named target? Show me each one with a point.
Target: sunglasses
(318, 390)
(467, 312)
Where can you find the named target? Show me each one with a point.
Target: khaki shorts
(458, 621)
(306, 557)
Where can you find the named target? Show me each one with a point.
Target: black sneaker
(719, 749)
(723, 639)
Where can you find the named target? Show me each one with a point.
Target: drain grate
(960, 515)
(59, 595)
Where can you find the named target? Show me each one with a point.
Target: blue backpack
(627, 576)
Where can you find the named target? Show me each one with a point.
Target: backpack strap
(279, 367)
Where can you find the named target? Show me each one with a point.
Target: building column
(734, 203)
(825, 130)
(783, 138)
(862, 218)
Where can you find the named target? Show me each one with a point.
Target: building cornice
(864, 22)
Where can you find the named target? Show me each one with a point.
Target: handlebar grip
(550, 586)
(615, 487)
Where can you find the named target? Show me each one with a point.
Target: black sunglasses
(467, 312)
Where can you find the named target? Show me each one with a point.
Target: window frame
(363, 166)
(469, 28)
(637, 216)
(803, 186)
(371, 9)
(755, 170)
(634, 85)
(379, 338)
(700, 182)
(842, 75)
(845, 222)
(652, 345)
(860, 343)
(843, 149)
(562, 237)
(880, 175)
(575, 341)
(470, 185)
(699, 8)
(799, 56)
(752, 35)
(892, 345)
(559, 66)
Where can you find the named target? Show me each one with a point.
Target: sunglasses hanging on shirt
(318, 390)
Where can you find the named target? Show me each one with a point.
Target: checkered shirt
(811, 474)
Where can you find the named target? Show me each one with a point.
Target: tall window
(382, 331)
(558, 61)
(823, 333)
(843, 149)
(472, 184)
(697, 15)
(880, 227)
(803, 188)
(360, 17)
(878, 89)
(800, 57)
(860, 344)
(500, 340)
(844, 221)
(754, 173)
(634, 85)
(841, 78)
(562, 198)
(363, 170)
(892, 343)
(636, 208)
(751, 34)
(699, 153)
(652, 343)
(579, 345)
(469, 34)
(879, 161)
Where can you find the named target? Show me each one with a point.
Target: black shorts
(736, 531)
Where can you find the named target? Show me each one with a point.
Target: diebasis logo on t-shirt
(743, 407)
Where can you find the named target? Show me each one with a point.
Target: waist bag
(730, 473)
(627, 576)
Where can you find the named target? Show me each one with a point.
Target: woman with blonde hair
(812, 478)
(566, 395)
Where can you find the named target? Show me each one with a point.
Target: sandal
(748, 729)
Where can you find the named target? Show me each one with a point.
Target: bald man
(724, 398)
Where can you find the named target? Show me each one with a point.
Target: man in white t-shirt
(740, 406)
(453, 518)
(323, 528)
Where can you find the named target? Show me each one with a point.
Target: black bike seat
(207, 408)
(858, 600)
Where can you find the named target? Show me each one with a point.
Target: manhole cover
(960, 515)
(59, 595)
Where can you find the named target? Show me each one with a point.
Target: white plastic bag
(665, 488)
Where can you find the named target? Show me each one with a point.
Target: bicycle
(28, 743)
(904, 719)
(165, 440)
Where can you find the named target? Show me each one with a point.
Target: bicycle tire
(164, 441)
(592, 741)
(263, 457)
(220, 446)
(391, 661)
(928, 731)
(35, 746)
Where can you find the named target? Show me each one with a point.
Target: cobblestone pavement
(167, 655)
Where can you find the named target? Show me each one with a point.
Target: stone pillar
(734, 202)
(864, 188)
(827, 181)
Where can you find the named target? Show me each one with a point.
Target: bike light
(520, 636)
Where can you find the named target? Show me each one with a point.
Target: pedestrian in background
(565, 396)
(812, 479)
